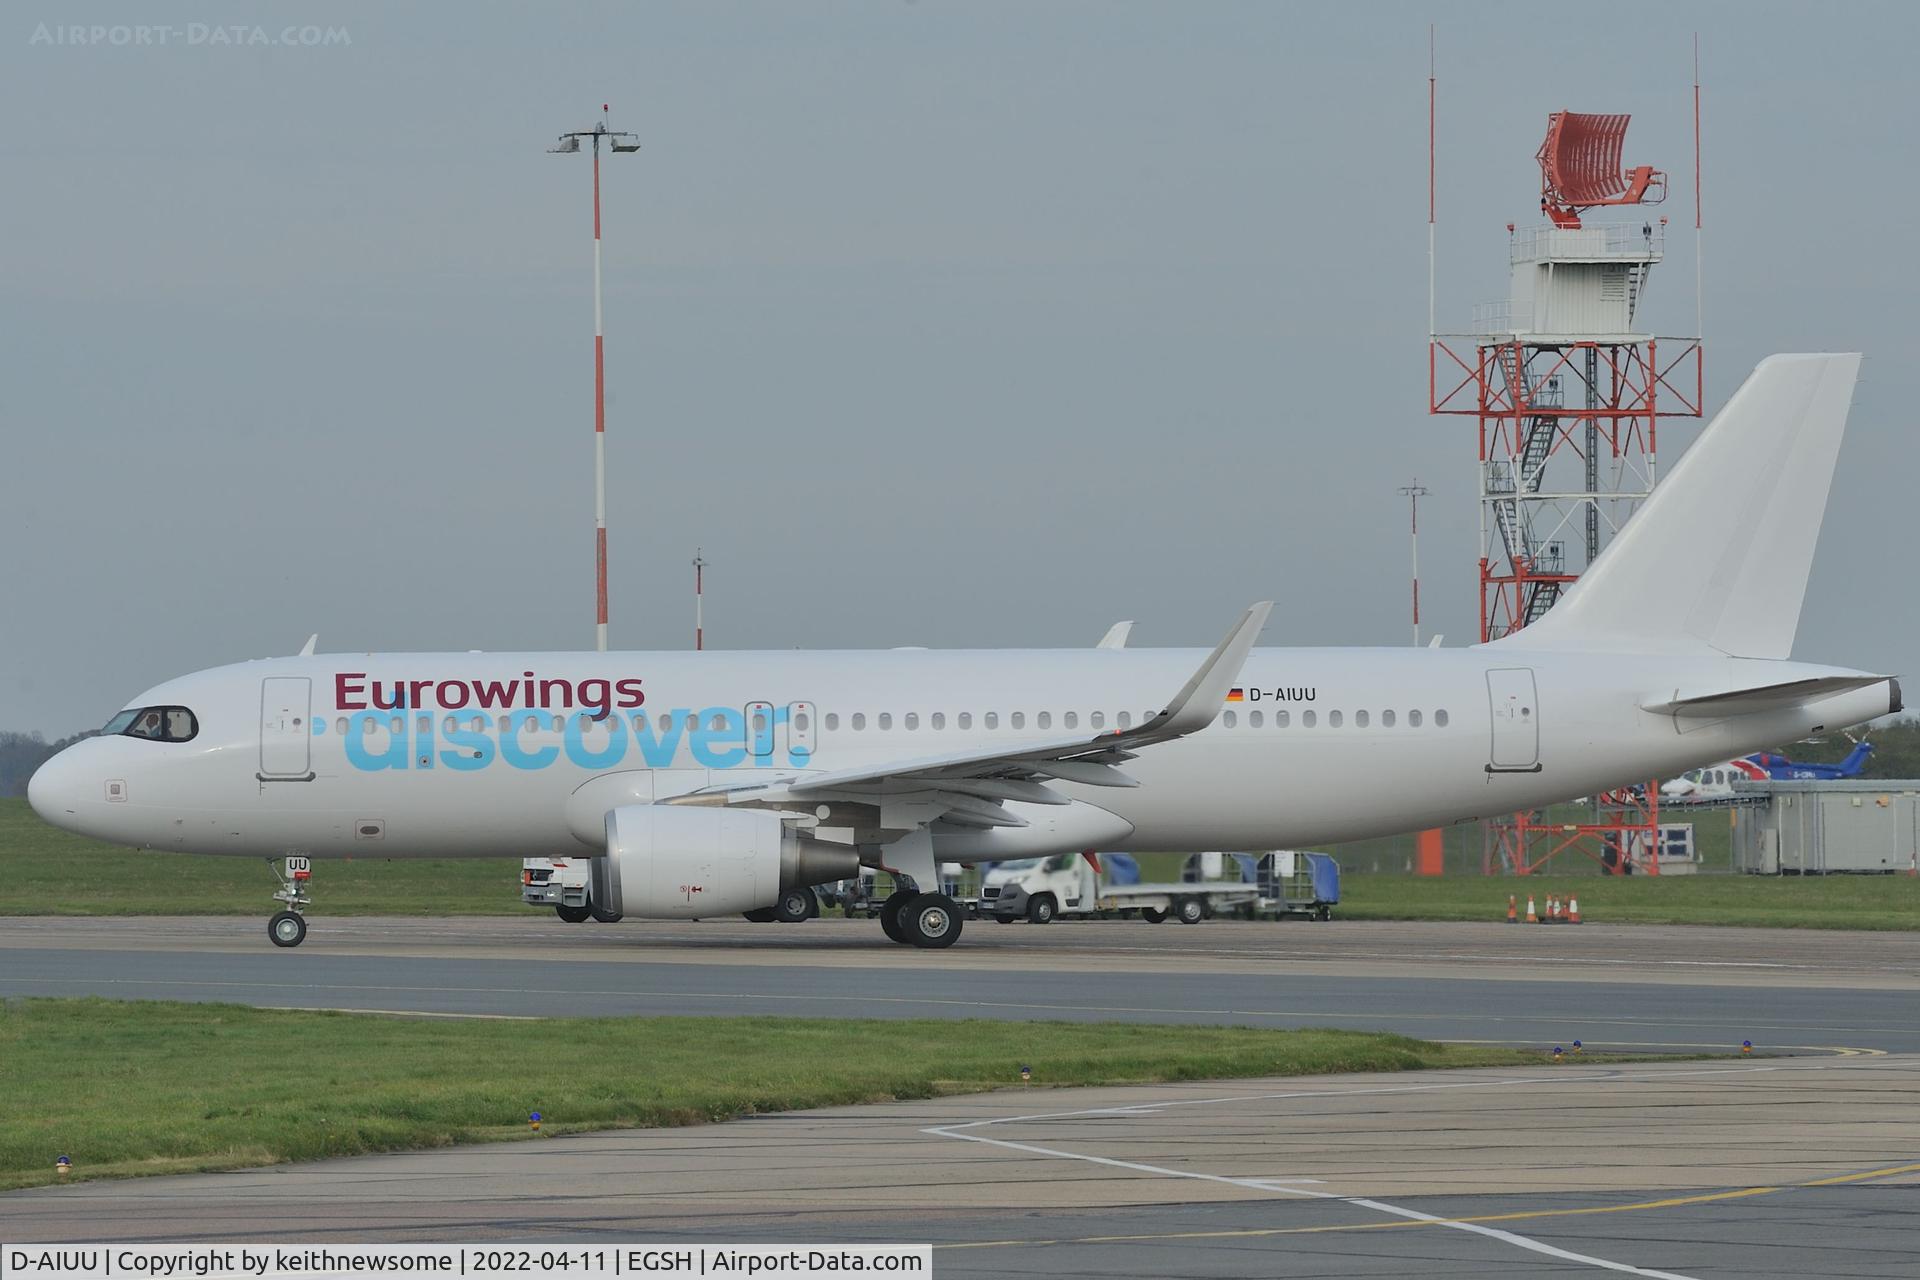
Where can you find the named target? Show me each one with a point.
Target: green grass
(1807, 902)
(45, 871)
(127, 1088)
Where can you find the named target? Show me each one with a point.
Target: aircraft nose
(54, 791)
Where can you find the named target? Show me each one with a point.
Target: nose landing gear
(289, 928)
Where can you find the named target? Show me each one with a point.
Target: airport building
(1810, 827)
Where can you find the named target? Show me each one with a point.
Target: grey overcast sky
(934, 323)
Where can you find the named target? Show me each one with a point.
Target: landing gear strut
(289, 928)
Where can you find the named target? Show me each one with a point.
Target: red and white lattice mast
(619, 144)
(1568, 385)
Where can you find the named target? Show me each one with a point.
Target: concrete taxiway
(1640, 987)
(1783, 1167)
(1795, 1165)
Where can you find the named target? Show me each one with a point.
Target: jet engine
(676, 862)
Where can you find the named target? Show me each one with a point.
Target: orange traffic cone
(1513, 913)
(1531, 917)
(1573, 911)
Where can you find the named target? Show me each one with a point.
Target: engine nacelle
(681, 862)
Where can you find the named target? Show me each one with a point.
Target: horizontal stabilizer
(1766, 697)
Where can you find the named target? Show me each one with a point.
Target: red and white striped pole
(1415, 492)
(699, 590)
(599, 416)
(620, 143)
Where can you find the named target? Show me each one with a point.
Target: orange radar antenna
(1580, 167)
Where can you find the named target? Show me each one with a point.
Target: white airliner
(703, 783)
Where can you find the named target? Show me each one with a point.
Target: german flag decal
(1236, 695)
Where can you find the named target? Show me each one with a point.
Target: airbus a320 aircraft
(703, 784)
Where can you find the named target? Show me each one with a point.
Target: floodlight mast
(569, 144)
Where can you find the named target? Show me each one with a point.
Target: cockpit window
(156, 724)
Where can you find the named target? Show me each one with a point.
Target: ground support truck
(1039, 889)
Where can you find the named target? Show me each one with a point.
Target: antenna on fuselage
(306, 650)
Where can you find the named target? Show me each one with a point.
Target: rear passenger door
(1511, 697)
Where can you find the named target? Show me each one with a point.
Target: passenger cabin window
(155, 724)
(833, 721)
(1019, 719)
(1255, 719)
(1386, 719)
(1440, 719)
(1044, 720)
(912, 719)
(1229, 719)
(1071, 720)
(859, 720)
(1413, 719)
(1280, 719)
(1098, 719)
(1125, 720)
(938, 720)
(993, 719)
(1306, 719)
(886, 720)
(1333, 719)
(966, 719)
(1359, 719)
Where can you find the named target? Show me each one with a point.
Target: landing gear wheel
(760, 915)
(890, 914)
(602, 915)
(1153, 915)
(287, 929)
(796, 905)
(931, 920)
(572, 915)
(1190, 911)
(1041, 910)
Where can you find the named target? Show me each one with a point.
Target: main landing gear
(289, 928)
(908, 916)
(795, 905)
(930, 920)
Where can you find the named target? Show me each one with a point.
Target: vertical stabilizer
(1718, 556)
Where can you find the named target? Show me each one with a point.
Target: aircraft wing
(969, 786)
